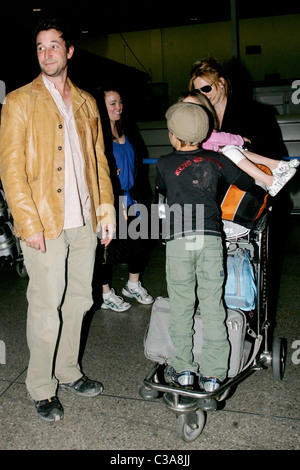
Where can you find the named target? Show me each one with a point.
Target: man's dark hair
(44, 24)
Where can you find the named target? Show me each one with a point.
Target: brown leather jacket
(32, 159)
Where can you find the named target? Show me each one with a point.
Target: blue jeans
(191, 261)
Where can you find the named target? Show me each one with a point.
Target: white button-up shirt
(77, 202)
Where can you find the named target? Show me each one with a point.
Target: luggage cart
(10, 247)
(191, 406)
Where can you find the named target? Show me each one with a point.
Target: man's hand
(107, 231)
(36, 241)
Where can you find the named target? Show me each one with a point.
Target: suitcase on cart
(158, 345)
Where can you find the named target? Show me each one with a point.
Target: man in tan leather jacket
(56, 179)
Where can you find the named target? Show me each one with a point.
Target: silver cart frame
(191, 406)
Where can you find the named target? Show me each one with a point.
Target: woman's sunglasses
(206, 88)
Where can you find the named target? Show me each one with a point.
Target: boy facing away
(190, 177)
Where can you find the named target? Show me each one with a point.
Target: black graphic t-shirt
(191, 182)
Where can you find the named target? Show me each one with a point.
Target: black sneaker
(183, 379)
(49, 410)
(83, 387)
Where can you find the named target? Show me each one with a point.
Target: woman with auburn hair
(209, 79)
(232, 146)
(236, 112)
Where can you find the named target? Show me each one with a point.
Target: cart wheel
(148, 393)
(279, 358)
(190, 429)
(21, 269)
(225, 394)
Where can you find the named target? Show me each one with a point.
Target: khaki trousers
(59, 293)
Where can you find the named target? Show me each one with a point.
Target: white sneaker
(283, 166)
(280, 180)
(209, 384)
(294, 162)
(139, 293)
(115, 302)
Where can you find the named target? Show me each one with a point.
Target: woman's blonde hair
(212, 70)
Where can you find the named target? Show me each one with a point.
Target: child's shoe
(183, 379)
(280, 180)
(209, 384)
(284, 166)
(294, 162)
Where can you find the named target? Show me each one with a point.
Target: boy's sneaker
(139, 293)
(209, 384)
(115, 302)
(183, 379)
(49, 410)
